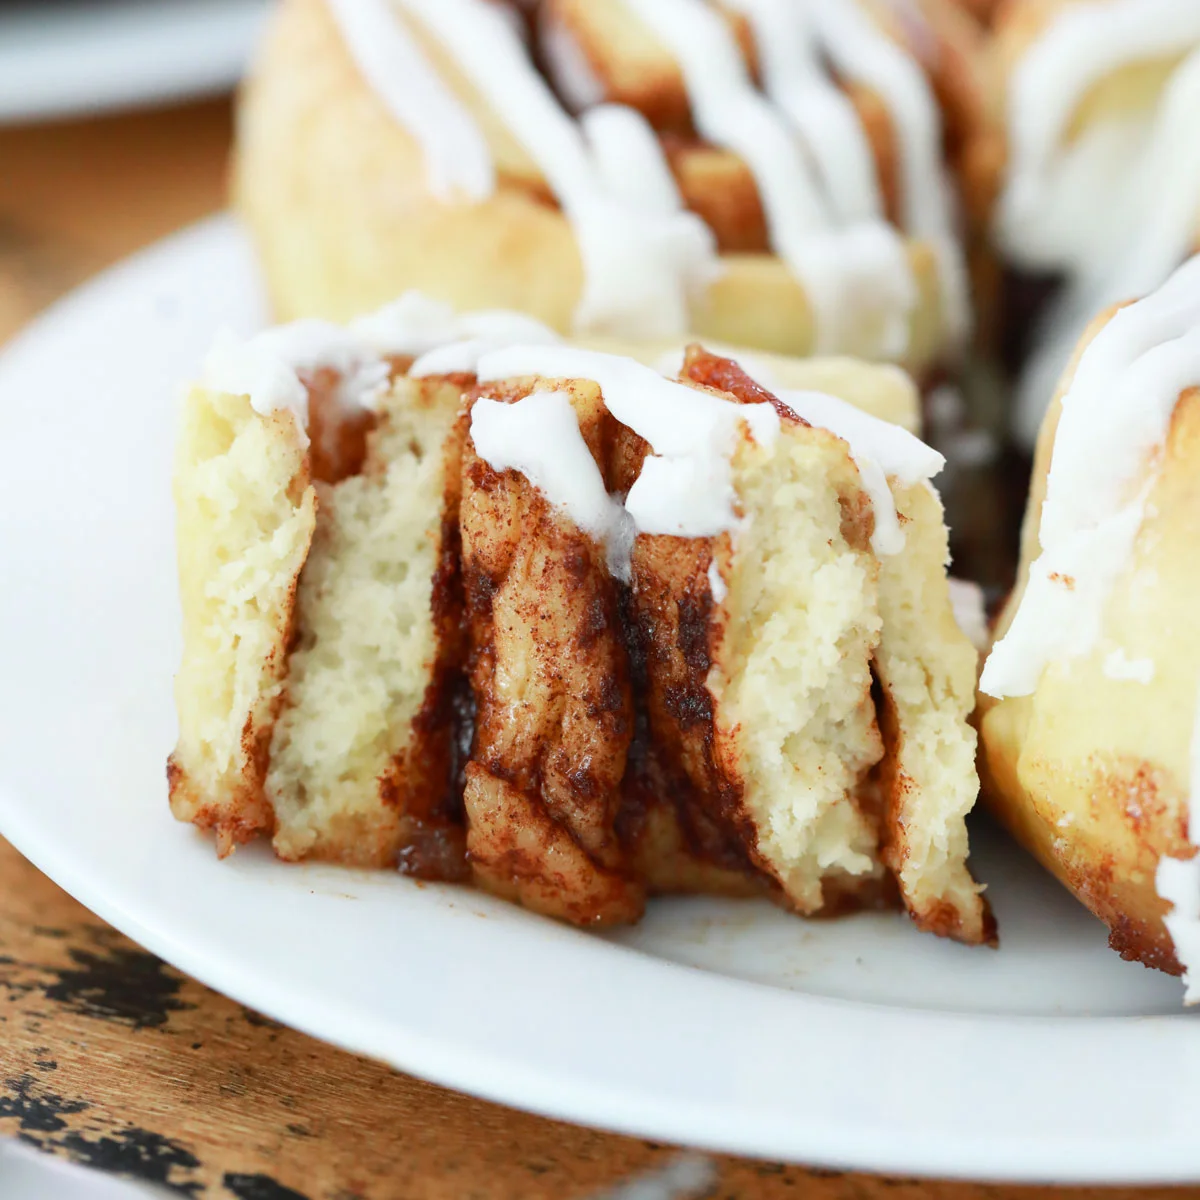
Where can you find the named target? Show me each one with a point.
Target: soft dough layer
(245, 515)
(926, 671)
(791, 684)
(361, 760)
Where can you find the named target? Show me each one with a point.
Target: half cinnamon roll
(492, 605)
(1090, 720)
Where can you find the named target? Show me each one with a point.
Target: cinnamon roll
(788, 177)
(1089, 713)
(1101, 193)
(466, 600)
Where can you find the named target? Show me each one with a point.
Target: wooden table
(112, 1058)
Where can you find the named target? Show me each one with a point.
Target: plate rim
(1036, 1159)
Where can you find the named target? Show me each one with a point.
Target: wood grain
(113, 1059)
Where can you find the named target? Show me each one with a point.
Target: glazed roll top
(1090, 711)
(765, 173)
(496, 606)
(1100, 99)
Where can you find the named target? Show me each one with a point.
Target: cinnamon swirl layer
(702, 621)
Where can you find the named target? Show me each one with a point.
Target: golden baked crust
(317, 692)
(926, 671)
(245, 514)
(553, 706)
(1090, 772)
(333, 191)
(362, 764)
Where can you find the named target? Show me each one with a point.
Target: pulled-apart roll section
(570, 628)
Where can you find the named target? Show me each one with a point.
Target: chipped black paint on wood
(52, 1123)
(123, 984)
(259, 1187)
(35, 1111)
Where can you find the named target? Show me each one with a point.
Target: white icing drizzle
(1178, 882)
(686, 486)
(1146, 166)
(457, 157)
(1118, 665)
(857, 275)
(1115, 416)
(641, 264)
(881, 451)
(796, 81)
(1082, 44)
(539, 437)
(644, 256)
(416, 325)
(629, 160)
(270, 368)
(716, 583)
(861, 51)
(567, 65)
(970, 613)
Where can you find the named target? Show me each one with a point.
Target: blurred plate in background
(25, 1174)
(75, 57)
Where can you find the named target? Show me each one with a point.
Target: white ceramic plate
(727, 1025)
(64, 57)
(27, 1174)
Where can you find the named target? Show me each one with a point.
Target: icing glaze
(567, 65)
(539, 437)
(641, 264)
(271, 366)
(881, 450)
(857, 275)
(629, 159)
(797, 82)
(414, 325)
(457, 157)
(860, 51)
(1115, 414)
(644, 256)
(1118, 665)
(685, 487)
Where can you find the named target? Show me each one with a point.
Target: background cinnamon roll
(1089, 707)
(793, 177)
(1101, 192)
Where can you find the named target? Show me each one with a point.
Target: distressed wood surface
(113, 1059)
